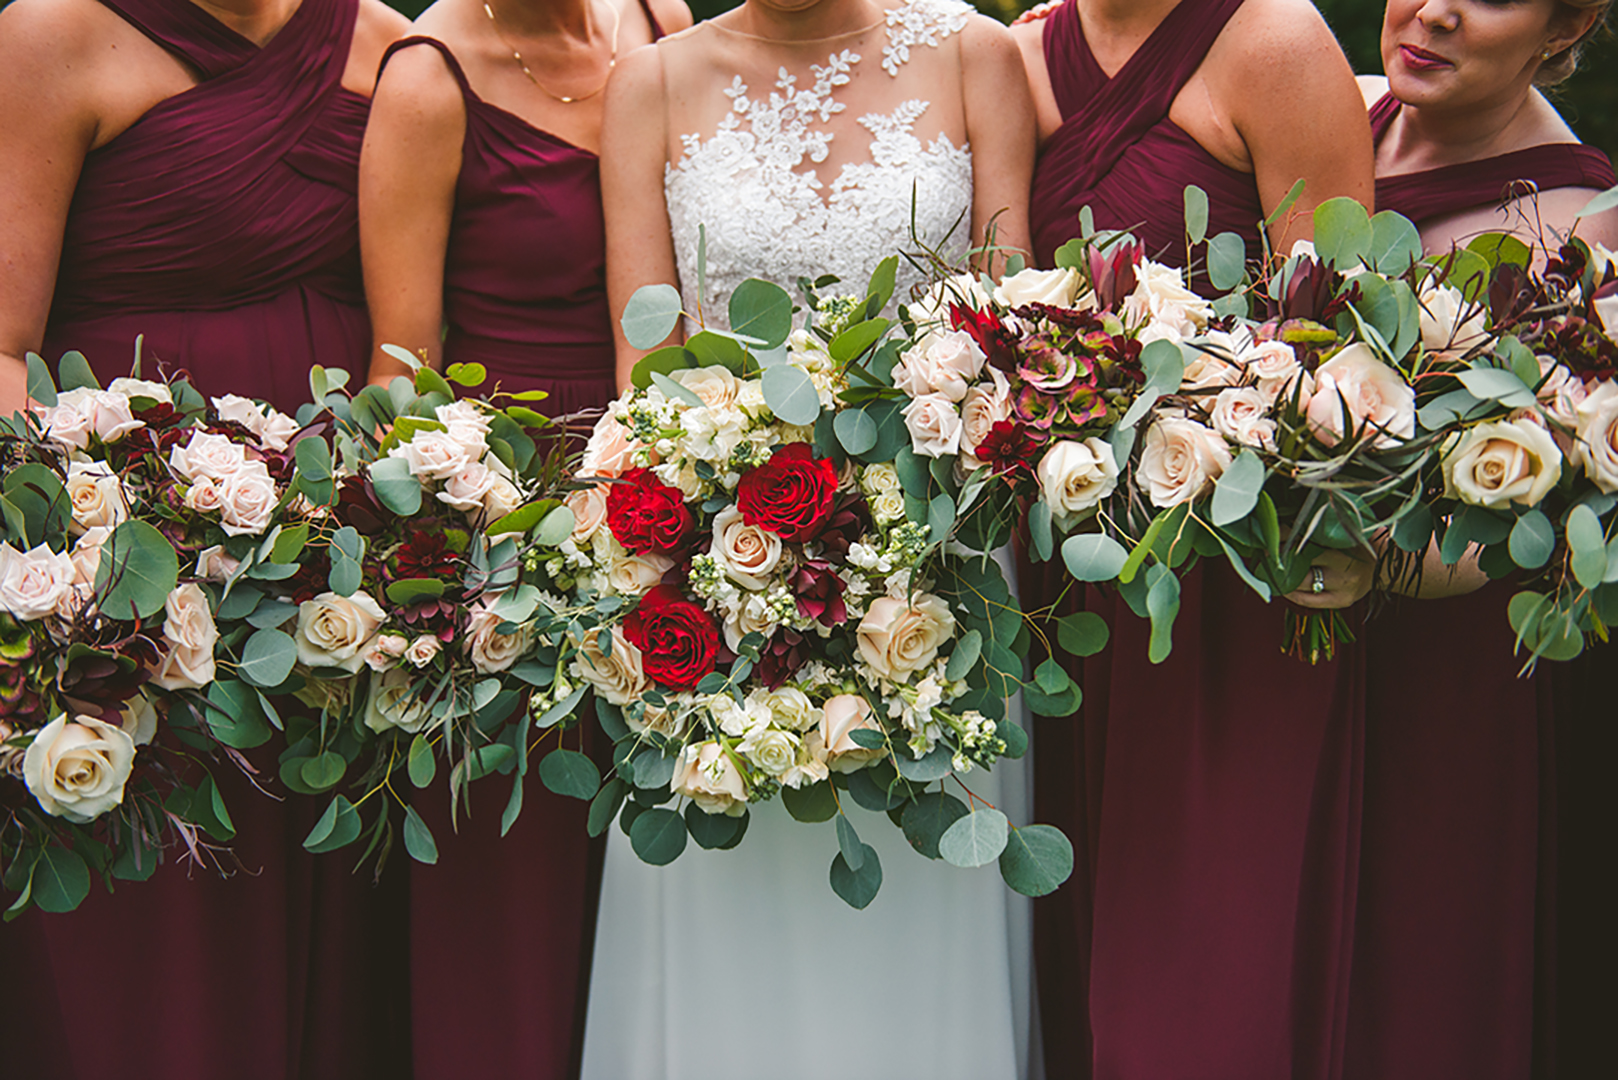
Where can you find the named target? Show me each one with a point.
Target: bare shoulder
(418, 82)
(379, 24)
(987, 43)
(40, 35)
(672, 15)
(1372, 88)
(1278, 40)
(638, 77)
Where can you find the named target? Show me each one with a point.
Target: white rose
(139, 719)
(633, 575)
(421, 652)
(896, 637)
(87, 555)
(1597, 445)
(1241, 414)
(941, 363)
(1449, 326)
(705, 774)
(334, 631)
(272, 429)
(751, 616)
(502, 498)
(191, 634)
(145, 388)
(1075, 476)
(840, 717)
(1056, 288)
(1607, 311)
(208, 456)
(1561, 392)
(715, 385)
(77, 768)
(610, 452)
(774, 751)
(434, 455)
(203, 496)
(385, 650)
(216, 566)
(1161, 303)
(889, 506)
(934, 425)
(466, 489)
(467, 424)
(97, 495)
(1180, 460)
(962, 289)
(984, 406)
(1507, 461)
(1271, 362)
(1206, 370)
(1375, 394)
(618, 678)
(392, 705)
(33, 582)
(83, 412)
(589, 506)
(247, 501)
(791, 708)
(492, 651)
(746, 552)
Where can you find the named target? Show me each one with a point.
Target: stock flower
(705, 774)
(819, 590)
(897, 637)
(791, 495)
(1180, 460)
(1373, 393)
(646, 514)
(76, 769)
(33, 582)
(1075, 476)
(840, 717)
(333, 631)
(97, 496)
(678, 641)
(747, 553)
(1507, 461)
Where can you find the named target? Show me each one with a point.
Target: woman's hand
(1038, 12)
(1342, 578)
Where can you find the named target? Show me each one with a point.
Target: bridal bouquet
(770, 594)
(1529, 475)
(125, 509)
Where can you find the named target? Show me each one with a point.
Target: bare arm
(1294, 102)
(408, 170)
(47, 125)
(634, 149)
(1000, 128)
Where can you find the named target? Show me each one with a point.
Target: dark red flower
(791, 494)
(678, 641)
(997, 343)
(820, 593)
(781, 658)
(648, 515)
(850, 519)
(426, 555)
(1008, 448)
(1112, 272)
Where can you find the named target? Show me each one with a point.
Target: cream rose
(97, 495)
(942, 362)
(634, 575)
(1241, 414)
(191, 634)
(134, 388)
(84, 412)
(617, 677)
(610, 452)
(203, 496)
(1075, 476)
(1375, 394)
(934, 425)
(334, 631)
(840, 717)
(247, 500)
(216, 566)
(705, 774)
(272, 429)
(715, 385)
(1597, 446)
(772, 750)
(1561, 392)
(897, 637)
(87, 555)
(138, 719)
(747, 553)
(502, 498)
(434, 455)
(1163, 306)
(208, 456)
(420, 653)
(1449, 326)
(589, 507)
(33, 582)
(391, 705)
(791, 708)
(963, 289)
(466, 490)
(1057, 288)
(1180, 460)
(77, 768)
(492, 651)
(465, 424)
(985, 405)
(1506, 461)
(1207, 370)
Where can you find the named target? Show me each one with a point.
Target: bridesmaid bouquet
(126, 510)
(771, 595)
(1529, 473)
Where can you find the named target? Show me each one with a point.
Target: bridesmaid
(188, 171)
(1459, 910)
(480, 211)
(1217, 791)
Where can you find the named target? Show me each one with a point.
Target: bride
(809, 137)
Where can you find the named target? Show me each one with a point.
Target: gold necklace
(612, 58)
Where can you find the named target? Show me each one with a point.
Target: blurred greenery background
(1589, 100)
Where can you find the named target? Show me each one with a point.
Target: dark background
(1589, 100)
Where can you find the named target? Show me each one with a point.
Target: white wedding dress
(743, 964)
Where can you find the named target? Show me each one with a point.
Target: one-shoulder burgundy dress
(1467, 879)
(502, 928)
(1205, 934)
(223, 226)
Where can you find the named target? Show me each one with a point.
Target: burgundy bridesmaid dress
(223, 226)
(1216, 793)
(502, 928)
(1460, 907)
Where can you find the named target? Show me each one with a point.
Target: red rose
(647, 515)
(791, 494)
(678, 641)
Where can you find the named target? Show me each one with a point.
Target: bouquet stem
(1312, 636)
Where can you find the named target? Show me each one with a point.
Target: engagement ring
(1318, 585)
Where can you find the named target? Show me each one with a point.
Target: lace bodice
(752, 182)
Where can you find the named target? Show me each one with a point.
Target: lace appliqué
(766, 219)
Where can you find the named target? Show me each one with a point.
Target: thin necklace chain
(612, 58)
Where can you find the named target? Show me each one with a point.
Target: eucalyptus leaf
(857, 888)
(1588, 545)
(267, 658)
(1236, 491)
(1343, 233)
(570, 773)
(1037, 859)
(848, 842)
(138, 569)
(1083, 633)
(651, 315)
(926, 819)
(811, 803)
(658, 836)
(790, 393)
(976, 839)
(337, 827)
(855, 429)
(396, 489)
(421, 763)
(1196, 214)
(60, 880)
(1227, 260)
(1533, 539)
(1093, 557)
(418, 838)
(759, 309)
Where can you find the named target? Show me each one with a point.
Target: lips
(1419, 59)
